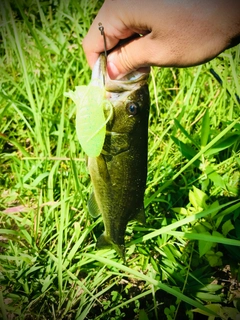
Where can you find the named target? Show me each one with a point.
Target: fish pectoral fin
(140, 217)
(93, 206)
(103, 169)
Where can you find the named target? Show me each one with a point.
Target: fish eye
(132, 108)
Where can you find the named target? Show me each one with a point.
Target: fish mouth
(130, 82)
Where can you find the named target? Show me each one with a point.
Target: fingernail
(112, 70)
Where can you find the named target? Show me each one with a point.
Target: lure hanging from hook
(91, 106)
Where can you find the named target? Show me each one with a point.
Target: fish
(119, 173)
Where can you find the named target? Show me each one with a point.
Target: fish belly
(119, 183)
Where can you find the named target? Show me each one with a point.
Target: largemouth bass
(119, 173)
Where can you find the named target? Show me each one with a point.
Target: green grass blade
(2, 307)
(205, 130)
(205, 237)
(190, 162)
(182, 222)
(158, 284)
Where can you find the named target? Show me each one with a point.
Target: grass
(184, 264)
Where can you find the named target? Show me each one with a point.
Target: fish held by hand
(119, 172)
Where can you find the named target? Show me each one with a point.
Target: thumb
(137, 54)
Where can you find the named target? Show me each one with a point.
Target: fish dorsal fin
(140, 217)
(93, 206)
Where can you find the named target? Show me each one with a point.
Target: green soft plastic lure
(91, 122)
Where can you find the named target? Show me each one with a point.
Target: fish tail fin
(120, 249)
(105, 242)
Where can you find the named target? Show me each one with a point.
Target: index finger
(114, 29)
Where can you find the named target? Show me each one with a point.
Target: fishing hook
(101, 29)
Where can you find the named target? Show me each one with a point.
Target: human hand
(174, 33)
